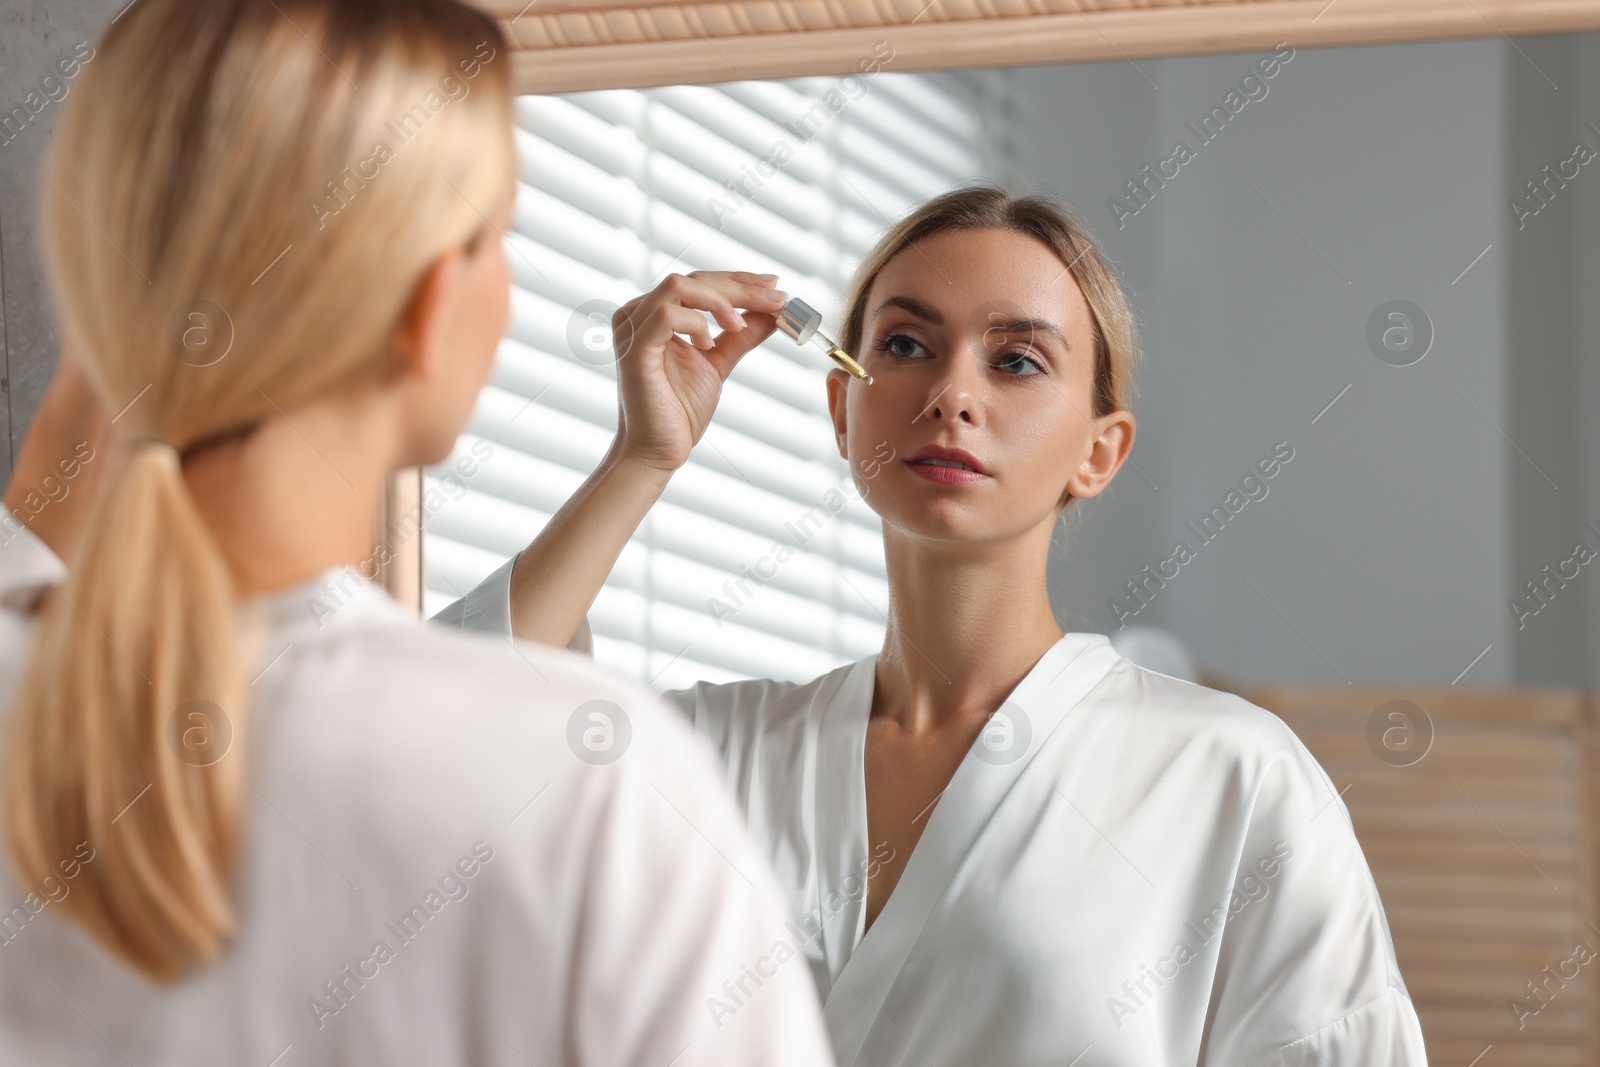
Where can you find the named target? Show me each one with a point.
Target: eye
(900, 350)
(1019, 364)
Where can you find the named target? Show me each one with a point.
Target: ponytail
(106, 747)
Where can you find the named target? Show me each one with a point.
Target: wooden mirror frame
(570, 45)
(573, 45)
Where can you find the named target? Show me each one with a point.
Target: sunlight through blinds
(742, 569)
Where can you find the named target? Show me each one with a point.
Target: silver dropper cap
(799, 320)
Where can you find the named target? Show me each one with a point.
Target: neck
(966, 624)
(299, 494)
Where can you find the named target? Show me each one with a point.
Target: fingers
(675, 307)
(744, 289)
(722, 293)
(732, 345)
(656, 326)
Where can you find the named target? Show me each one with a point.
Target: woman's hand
(668, 388)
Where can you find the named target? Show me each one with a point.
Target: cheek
(492, 304)
(878, 416)
(1042, 438)
(498, 289)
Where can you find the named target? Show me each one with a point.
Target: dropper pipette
(800, 321)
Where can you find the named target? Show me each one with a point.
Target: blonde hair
(253, 155)
(982, 205)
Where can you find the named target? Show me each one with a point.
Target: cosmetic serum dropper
(800, 320)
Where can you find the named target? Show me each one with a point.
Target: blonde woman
(1069, 859)
(241, 827)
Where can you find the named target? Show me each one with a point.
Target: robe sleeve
(687, 702)
(1382, 1031)
(1306, 972)
(487, 609)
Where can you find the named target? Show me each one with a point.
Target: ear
(1113, 442)
(838, 389)
(417, 345)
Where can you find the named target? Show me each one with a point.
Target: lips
(952, 466)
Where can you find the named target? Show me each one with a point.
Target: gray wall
(34, 36)
(1553, 268)
(1415, 508)
(1586, 401)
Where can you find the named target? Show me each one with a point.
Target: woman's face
(981, 415)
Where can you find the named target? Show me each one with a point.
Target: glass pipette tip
(800, 321)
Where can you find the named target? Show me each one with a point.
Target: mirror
(1365, 269)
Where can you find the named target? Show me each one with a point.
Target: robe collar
(337, 599)
(863, 964)
(328, 601)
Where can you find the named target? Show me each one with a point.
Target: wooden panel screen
(1484, 852)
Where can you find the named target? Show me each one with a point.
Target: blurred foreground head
(241, 196)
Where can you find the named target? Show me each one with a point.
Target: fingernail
(740, 320)
(774, 296)
(768, 278)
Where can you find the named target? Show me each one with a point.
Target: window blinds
(744, 568)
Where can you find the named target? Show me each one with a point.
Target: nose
(956, 394)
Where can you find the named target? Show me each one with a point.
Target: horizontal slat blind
(617, 190)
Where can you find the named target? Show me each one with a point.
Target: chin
(945, 518)
(946, 521)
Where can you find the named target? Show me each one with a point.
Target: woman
(253, 812)
(1069, 858)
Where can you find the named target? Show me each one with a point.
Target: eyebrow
(913, 305)
(932, 314)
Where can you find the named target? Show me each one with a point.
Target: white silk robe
(1126, 870)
